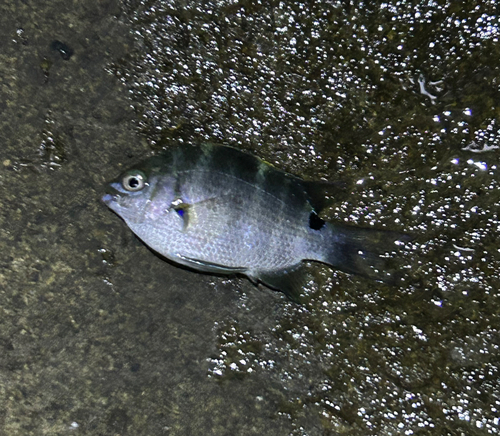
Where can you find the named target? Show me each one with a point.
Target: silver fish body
(220, 210)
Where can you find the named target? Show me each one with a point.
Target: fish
(220, 210)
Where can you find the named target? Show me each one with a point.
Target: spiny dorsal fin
(320, 193)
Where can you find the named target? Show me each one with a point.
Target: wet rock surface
(100, 336)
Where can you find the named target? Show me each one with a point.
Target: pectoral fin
(210, 213)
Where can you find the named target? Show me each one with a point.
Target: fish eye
(134, 181)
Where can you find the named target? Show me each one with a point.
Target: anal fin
(290, 281)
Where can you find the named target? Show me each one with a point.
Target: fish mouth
(107, 199)
(112, 195)
(112, 201)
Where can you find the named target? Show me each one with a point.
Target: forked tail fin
(360, 250)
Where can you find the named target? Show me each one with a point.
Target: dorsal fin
(320, 193)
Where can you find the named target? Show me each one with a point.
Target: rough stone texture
(98, 336)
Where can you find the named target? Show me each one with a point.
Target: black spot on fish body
(65, 51)
(315, 222)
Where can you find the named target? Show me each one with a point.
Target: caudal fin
(361, 251)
